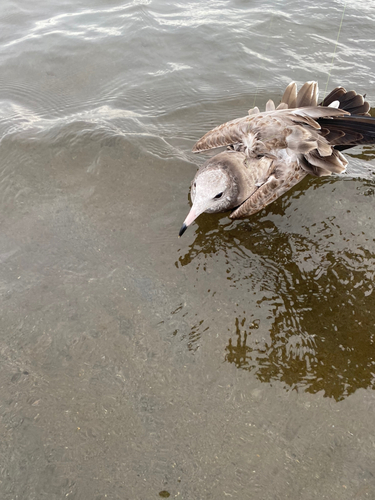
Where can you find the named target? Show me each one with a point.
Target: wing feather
(279, 180)
(263, 124)
(313, 133)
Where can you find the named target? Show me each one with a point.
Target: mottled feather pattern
(298, 129)
(271, 128)
(278, 183)
(269, 152)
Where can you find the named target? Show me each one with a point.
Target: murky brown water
(237, 361)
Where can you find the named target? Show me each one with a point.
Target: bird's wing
(235, 131)
(297, 130)
(270, 126)
(350, 101)
(284, 173)
(314, 133)
(344, 133)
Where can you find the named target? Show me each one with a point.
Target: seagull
(269, 152)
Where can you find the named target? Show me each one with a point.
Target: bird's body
(270, 152)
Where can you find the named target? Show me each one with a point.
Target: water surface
(237, 361)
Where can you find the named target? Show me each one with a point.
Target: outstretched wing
(271, 127)
(237, 131)
(309, 131)
(266, 133)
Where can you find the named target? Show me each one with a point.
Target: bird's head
(214, 189)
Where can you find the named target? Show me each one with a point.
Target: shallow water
(237, 361)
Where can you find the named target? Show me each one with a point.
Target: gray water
(235, 362)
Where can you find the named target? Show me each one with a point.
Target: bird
(269, 152)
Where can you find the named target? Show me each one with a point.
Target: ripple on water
(301, 282)
(290, 290)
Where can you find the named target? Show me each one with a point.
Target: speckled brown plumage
(270, 152)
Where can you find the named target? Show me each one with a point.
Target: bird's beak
(189, 219)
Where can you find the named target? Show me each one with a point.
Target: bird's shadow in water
(319, 335)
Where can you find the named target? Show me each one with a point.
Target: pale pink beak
(189, 219)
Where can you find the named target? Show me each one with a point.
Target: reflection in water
(322, 336)
(313, 289)
(101, 104)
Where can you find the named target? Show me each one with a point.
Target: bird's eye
(218, 196)
(195, 184)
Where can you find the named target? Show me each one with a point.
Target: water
(237, 361)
